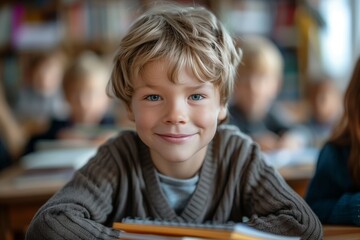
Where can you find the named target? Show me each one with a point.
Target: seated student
(40, 96)
(84, 87)
(39, 99)
(325, 104)
(334, 191)
(174, 70)
(253, 108)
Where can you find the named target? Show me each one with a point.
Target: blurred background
(318, 39)
(315, 36)
(55, 61)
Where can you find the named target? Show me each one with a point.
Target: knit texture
(121, 181)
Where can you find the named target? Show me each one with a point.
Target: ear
(222, 113)
(130, 113)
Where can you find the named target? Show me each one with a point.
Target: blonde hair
(260, 54)
(183, 36)
(86, 64)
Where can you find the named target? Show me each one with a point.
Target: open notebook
(58, 158)
(52, 166)
(150, 229)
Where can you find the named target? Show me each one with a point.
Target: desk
(341, 232)
(19, 200)
(298, 177)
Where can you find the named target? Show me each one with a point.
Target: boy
(83, 86)
(174, 70)
(253, 108)
(40, 97)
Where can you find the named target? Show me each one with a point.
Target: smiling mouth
(175, 138)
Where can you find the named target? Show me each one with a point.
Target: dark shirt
(331, 193)
(273, 122)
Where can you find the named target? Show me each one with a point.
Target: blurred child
(12, 135)
(174, 71)
(334, 191)
(254, 108)
(41, 98)
(84, 86)
(325, 103)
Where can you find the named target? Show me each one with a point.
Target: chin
(176, 159)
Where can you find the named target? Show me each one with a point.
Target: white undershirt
(178, 191)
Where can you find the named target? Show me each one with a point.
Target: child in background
(40, 98)
(325, 103)
(84, 88)
(174, 70)
(334, 191)
(253, 108)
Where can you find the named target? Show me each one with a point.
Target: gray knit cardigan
(120, 181)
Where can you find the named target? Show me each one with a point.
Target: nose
(176, 112)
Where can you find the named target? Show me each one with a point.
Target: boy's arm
(82, 207)
(273, 206)
(328, 197)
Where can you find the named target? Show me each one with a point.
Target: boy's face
(175, 120)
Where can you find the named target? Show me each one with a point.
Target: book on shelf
(154, 229)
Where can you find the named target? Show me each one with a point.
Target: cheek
(143, 117)
(205, 117)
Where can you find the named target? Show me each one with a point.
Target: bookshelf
(77, 25)
(275, 20)
(29, 28)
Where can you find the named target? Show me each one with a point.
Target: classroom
(260, 102)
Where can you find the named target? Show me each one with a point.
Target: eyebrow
(200, 86)
(191, 87)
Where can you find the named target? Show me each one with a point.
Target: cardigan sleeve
(272, 206)
(328, 193)
(81, 208)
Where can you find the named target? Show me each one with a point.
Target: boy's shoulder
(125, 145)
(126, 135)
(229, 132)
(233, 148)
(124, 141)
(232, 130)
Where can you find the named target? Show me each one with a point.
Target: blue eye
(196, 97)
(153, 98)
